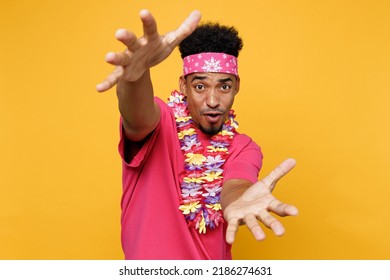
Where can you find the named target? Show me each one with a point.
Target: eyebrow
(198, 78)
(225, 80)
(205, 77)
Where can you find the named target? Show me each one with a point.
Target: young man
(189, 178)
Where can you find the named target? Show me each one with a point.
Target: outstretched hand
(256, 203)
(144, 52)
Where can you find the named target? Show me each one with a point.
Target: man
(184, 162)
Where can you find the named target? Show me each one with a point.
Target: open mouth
(213, 117)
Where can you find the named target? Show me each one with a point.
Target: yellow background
(315, 86)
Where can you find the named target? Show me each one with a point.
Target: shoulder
(244, 148)
(166, 113)
(245, 159)
(243, 141)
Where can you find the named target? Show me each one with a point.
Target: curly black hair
(212, 37)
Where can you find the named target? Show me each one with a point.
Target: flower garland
(202, 184)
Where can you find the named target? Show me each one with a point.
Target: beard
(212, 130)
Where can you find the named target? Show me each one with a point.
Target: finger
(282, 209)
(117, 59)
(278, 173)
(253, 225)
(185, 29)
(128, 39)
(231, 230)
(103, 86)
(271, 222)
(111, 80)
(149, 24)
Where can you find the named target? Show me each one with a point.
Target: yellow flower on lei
(183, 119)
(212, 176)
(216, 206)
(183, 133)
(226, 132)
(195, 159)
(202, 225)
(233, 123)
(190, 207)
(197, 180)
(212, 149)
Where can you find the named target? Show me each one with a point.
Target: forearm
(136, 104)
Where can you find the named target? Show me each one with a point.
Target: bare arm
(244, 202)
(132, 76)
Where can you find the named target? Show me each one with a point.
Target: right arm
(132, 73)
(140, 114)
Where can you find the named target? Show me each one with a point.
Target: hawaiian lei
(202, 184)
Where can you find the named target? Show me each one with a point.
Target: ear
(183, 85)
(237, 85)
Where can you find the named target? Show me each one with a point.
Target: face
(210, 97)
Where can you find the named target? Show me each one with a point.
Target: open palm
(144, 52)
(256, 203)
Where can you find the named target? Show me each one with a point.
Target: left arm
(244, 202)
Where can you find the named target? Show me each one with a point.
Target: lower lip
(212, 119)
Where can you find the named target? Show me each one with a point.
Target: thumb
(185, 29)
(276, 174)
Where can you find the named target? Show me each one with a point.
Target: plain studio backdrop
(314, 86)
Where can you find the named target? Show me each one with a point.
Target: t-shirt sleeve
(143, 149)
(245, 163)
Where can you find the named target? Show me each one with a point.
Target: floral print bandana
(210, 62)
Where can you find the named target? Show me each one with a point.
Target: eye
(226, 87)
(199, 87)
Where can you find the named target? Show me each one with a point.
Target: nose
(212, 99)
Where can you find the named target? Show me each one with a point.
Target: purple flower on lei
(213, 164)
(218, 144)
(213, 192)
(192, 167)
(214, 168)
(188, 141)
(212, 199)
(191, 192)
(190, 186)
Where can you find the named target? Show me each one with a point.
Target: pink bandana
(210, 62)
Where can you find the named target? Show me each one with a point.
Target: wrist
(126, 86)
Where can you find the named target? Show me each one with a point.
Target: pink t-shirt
(153, 227)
